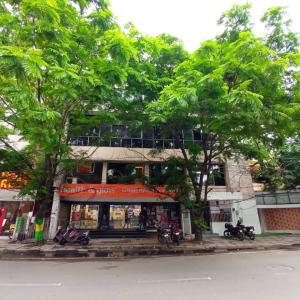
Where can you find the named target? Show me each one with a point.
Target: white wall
(247, 210)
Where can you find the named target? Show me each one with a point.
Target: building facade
(279, 211)
(105, 192)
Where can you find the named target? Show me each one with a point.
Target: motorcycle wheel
(240, 236)
(227, 234)
(161, 239)
(62, 242)
(252, 236)
(84, 242)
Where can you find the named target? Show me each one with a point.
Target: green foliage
(235, 93)
(282, 170)
(235, 20)
(57, 61)
(279, 36)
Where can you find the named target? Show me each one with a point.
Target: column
(104, 173)
(147, 171)
(54, 214)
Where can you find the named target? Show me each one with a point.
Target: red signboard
(114, 190)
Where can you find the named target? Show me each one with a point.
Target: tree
(279, 37)
(59, 59)
(232, 94)
(235, 20)
(148, 73)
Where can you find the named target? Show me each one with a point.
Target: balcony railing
(278, 198)
(129, 142)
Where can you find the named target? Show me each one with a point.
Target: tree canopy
(236, 92)
(57, 60)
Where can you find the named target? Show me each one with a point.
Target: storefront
(121, 208)
(113, 216)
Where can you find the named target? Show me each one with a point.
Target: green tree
(232, 93)
(148, 73)
(58, 59)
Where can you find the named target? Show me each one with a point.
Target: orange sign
(10, 180)
(114, 190)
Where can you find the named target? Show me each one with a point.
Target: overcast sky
(193, 21)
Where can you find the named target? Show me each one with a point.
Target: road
(262, 275)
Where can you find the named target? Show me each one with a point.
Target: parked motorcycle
(59, 234)
(247, 230)
(175, 234)
(72, 235)
(232, 231)
(164, 236)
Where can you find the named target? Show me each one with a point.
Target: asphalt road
(261, 275)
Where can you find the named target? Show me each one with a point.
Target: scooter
(232, 231)
(72, 235)
(247, 230)
(59, 234)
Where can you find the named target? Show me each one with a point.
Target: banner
(114, 190)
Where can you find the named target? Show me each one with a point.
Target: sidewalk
(121, 248)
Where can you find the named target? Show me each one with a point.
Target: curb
(39, 254)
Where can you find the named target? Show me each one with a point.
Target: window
(86, 168)
(216, 178)
(84, 216)
(124, 173)
(220, 211)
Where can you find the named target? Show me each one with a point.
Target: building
(279, 211)
(105, 194)
(11, 204)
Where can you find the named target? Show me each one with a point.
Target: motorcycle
(232, 231)
(164, 236)
(72, 235)
(247, 230)
(175, 234)
(59, 234)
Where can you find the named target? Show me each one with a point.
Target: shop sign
(9, 180)
(114, 191)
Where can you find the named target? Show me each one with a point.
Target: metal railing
(278, 198)
(129, 142)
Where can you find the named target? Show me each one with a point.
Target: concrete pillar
(147, 171)
(104, 173)
(54, 214)
(185, 220)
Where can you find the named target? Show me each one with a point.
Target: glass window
(188, 134)
(197, 135)
(135, 133)
(124, 216)
(84, 216)
(105, 131)
(119, 131)
(148, 134)
(220, 211)
(86, 168)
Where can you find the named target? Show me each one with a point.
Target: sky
(192, 21)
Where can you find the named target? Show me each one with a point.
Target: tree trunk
(196, 230)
